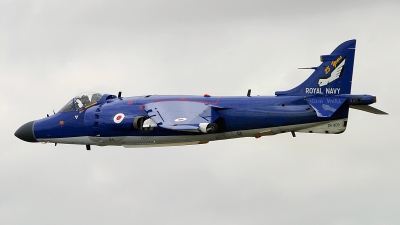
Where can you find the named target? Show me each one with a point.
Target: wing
(182, 115)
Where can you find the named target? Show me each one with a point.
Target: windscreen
(81, 101)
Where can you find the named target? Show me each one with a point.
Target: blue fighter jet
(319, 105)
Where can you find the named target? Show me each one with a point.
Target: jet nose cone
(25, 132)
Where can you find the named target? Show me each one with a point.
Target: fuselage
(254, 116)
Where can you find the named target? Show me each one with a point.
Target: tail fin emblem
(336, 73)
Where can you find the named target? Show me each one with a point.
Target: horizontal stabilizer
(325, 106)
(367, 108)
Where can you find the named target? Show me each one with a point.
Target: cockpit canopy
(82, 100)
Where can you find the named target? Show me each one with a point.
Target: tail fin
(332, 77)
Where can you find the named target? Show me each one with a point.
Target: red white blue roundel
(119, 117)
(180, 119)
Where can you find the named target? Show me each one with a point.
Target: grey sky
(51, 51)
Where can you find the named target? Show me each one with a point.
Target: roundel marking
(180, 119)
(119, 117)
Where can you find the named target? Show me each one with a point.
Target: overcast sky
(51, 51)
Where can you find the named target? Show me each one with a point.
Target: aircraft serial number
(334, 125)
